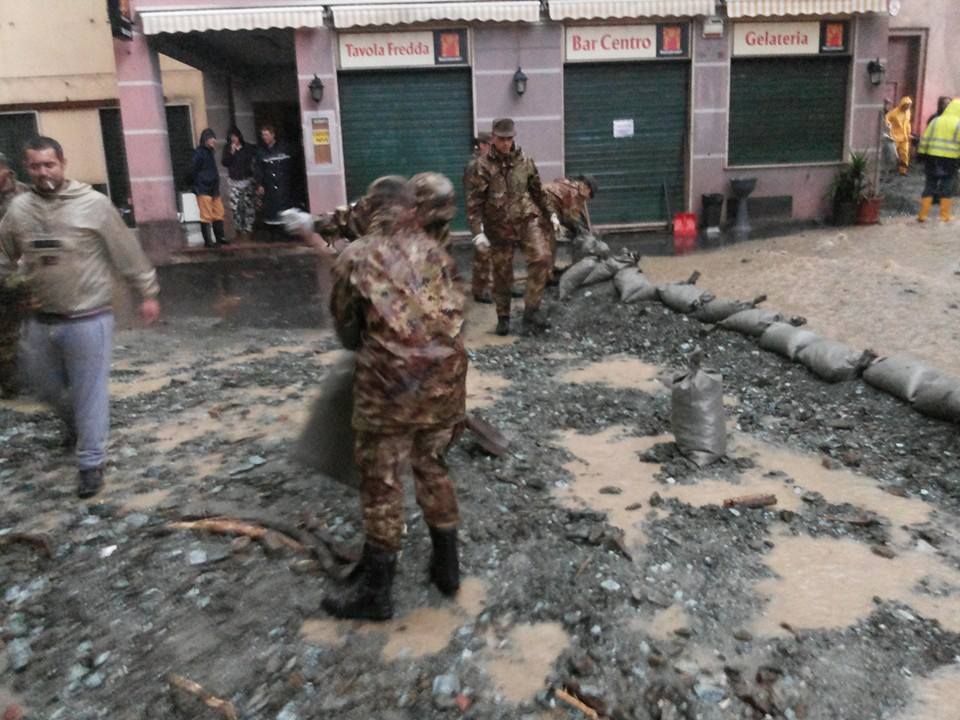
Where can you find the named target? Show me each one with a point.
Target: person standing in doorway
(940, 150)
(14, 295)
(72, 241)
(273, 175)
(482, 269)
(238, 158)
(900, 121)
(206, 186)
(505, 210)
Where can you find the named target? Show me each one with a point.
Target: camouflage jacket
(347, 222)
(567, 199)
(505, 193)
(8, 193)
(470, 174)
(395, 302)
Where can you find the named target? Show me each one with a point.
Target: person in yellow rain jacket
(900, 121)
(940, 149)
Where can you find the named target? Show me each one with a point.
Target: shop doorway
(903, 73)
(285, 117)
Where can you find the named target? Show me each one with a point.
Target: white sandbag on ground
(787, 340)
(634, 286)
(718, 309)
(575, 275)
(900, 375)
(697, 417)
(834, 361)
(939, 398)
(751, 322)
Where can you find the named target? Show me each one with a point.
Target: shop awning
(603, 9)
(759, 8)
(345, 16)
(254, 18)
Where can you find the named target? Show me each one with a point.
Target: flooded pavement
(596, 559)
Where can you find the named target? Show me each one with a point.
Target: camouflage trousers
(381, 459)
(535, 244)
(481, 272)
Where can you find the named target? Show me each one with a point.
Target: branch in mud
(750, 501)
(232, 526)
(224, 707)
(575, 703)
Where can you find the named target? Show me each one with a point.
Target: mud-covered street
(602, 571)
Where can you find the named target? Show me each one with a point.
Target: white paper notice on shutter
(623, 128)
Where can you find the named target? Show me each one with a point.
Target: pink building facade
(663, 103)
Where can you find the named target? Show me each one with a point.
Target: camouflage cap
(590, 182)
(435, 197)
(504, 128)
(483, 137)
(390, 190)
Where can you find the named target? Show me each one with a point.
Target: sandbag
(610, 267)
(326, 443)
(899, 375)
(787, 340)
(587, 244)
(575, 275)
(684, 298)
(717, 309)
(634, 286)
(939, 398)
(834, 361)
(751, 322)
(697, 417)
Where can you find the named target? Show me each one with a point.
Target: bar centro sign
(403, 49)
(612, 42)
(800, 38)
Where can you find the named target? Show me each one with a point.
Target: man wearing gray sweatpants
(71, 240)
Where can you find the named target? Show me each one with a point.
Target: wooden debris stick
(40, 541)
(211, 701)
(575, 703)
(750, 501)
(232, 526)
(489, 437)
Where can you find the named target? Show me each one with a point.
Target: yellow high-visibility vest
(942, 136)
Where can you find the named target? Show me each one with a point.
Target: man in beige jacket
(71, 240)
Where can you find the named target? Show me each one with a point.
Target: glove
(297, 222)
(480, 242)
(555, 221)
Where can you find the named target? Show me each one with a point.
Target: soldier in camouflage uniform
(482, 264)
(14, 295)
(505, 209)
(567, 202)
(396, 303)
(346, 222)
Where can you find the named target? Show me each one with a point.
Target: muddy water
(826, 583)
(423, 631)
(935, 697)
(519, 663)
(618, 371)
(483, 388)
(142, 502)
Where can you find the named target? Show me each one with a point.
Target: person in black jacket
(206, 186)
(273, 174)
(238, 158)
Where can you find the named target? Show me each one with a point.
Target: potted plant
(847, 189)
(868, 210)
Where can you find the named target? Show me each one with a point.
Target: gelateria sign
(403, 49)
(827, 37)
(592, 43)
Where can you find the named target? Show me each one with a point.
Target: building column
(871, 37)
(147, 145)
(709, 114)
(538, 50)
(322, 140)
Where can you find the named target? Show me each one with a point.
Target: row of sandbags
(903, 376)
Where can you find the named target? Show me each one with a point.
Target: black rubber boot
(369, 598)
(218, 233)
(89, 482)
(444, 563)
(535, 321)
(483, 297)
(207, 233)
(503, 326)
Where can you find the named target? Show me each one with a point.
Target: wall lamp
(876, 70)
(519, 82)
(316, 89)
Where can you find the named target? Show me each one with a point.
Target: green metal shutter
(788, 110)
(630, 171)
(15, 130)
(405, 122)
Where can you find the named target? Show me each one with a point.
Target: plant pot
(868, 212)
(844, 212)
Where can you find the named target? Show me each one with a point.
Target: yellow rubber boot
(925, 204)
(945, 215)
